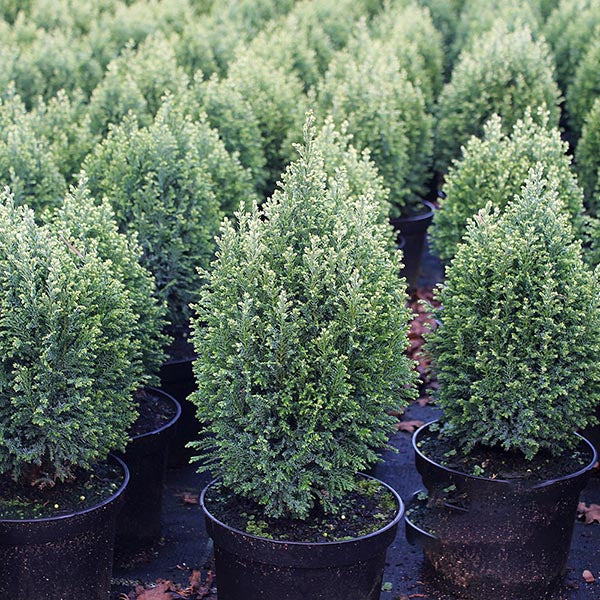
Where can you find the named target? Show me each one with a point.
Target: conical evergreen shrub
(91, 227)
(66, 368)
(517, 350)
(505, 72)
(587, 159)
(494, 168)
(300, 334)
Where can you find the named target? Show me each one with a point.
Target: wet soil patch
(366, 510)
(495, 463)
(155, 411)
(89, 488)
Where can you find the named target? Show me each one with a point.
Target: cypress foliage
(136, 81)
(91, 227)
(505, 72)
(494, 168)
(569, 29)
(366, 87)
(27, 162)
(169, 183)
(66, 374)
(517, 350)
(585, 88)
(417, 45)
(587, 159)
(300, 334)
(278, 102)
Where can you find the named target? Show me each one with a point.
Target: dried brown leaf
(409, 426)
(188, 497)
(590, 513)
(588, 577)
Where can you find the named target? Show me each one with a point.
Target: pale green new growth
(517, 350)
(505, 72)
(494, 168)
(300, 334)
(66, 374)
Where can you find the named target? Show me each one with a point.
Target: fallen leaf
(588, 577)
(163, 590)
(409, 426)
(395, 413)
(198, 590)
(590, 513)
(188, 497)
(424, 400)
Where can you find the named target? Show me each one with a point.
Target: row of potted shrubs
(299, 323)
(300, 333)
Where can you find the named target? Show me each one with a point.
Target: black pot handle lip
(390, 525)
(542, 484)
(115, 495)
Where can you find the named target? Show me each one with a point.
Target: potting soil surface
(185, 545)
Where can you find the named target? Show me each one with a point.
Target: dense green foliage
(588, 159)
(67, 359)
(479, 16)
(278, 103)
(585, 87)
(232, 115)
(366, 87)
(308, 37)
(417, 45)
(27, 162)
(569, 30)
(517, 350)
(169, 182)
(92, 227)
(494, 168)
(505, 72)
(300, 334)
(136, 81)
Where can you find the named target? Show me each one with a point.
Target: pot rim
(85, 511)
(418, 217)
(409, 523)
(541, 484)
(166, 425)
(282, 543)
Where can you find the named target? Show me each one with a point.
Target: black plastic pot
(177, 380)
(254, 568)
(138, 524)
(506, 539)
(68, 557)
(413, 229)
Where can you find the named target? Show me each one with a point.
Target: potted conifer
(299, 355)
(91, 227)
(367, 87)
(516, 356)
(66, 383)
(170, 183)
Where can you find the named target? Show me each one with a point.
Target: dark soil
(88, 489)
(366, 510)
(495, 463)
(423, 516)
(154, 412)
(181, 347)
